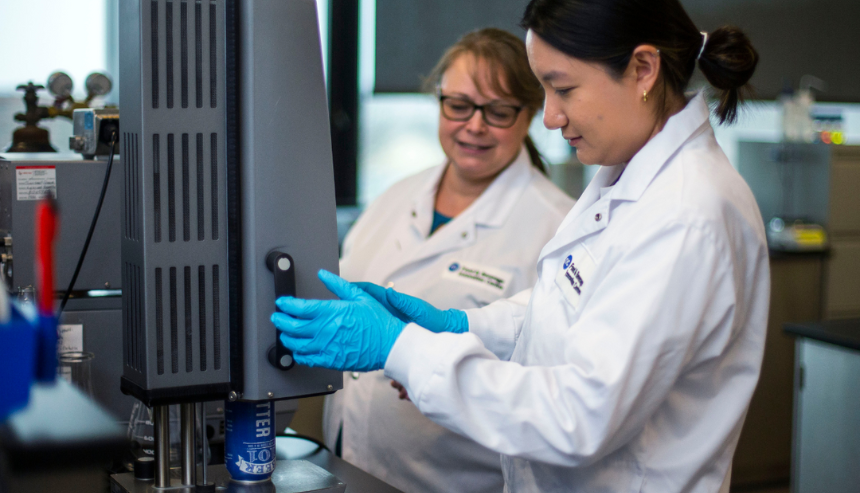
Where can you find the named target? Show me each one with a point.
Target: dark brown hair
(512, 77)
(607, 31)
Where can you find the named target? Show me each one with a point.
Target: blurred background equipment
(33, 138)
(52, 435)
(92, 131)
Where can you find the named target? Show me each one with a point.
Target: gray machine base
(291, 476)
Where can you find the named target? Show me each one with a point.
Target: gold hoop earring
(644, 96)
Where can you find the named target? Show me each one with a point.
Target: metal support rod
(188, 432)
(204, 440)
(161, 415)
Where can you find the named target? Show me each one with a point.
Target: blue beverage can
(249, 440)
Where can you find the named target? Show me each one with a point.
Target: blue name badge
(575, 275)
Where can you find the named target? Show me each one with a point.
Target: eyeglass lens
(497, 115)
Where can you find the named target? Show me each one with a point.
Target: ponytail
(728, 61)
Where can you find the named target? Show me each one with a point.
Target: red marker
(46, 230)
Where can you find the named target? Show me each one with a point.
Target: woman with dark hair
(460, 235)
(631, 363)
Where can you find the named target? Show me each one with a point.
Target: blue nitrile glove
(411, 309)
(378, 293)
(354, 333)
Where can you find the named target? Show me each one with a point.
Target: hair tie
(704, 42)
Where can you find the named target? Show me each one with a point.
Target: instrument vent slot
(135, 178)
(131, 159)
(198, 52)
(134, 354)
(216, 316)
(159, 322)
(168, 27)
(139, 332)
(201, 302)
(127, 323)
(213, 54)
(156, 186)
(171, 189)
(126, 153)
(201, 202)
(135, 316)
(186, 191)
(154, 23)
(189, 329)
(213, 176)
(174, 322)
(183, 47)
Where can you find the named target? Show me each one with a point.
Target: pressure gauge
(60, 84)
(98, 84)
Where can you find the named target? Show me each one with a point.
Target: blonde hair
(511, 75)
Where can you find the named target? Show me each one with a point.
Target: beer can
(249, 440)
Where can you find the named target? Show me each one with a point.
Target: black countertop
(844, 333)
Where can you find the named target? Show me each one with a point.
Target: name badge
(575, 275)
(475, 275)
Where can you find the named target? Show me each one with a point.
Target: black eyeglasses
(494, 114)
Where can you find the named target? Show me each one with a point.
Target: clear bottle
(786, 99)
(805, 101)
(141, 433)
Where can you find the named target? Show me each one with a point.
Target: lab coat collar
(648, 162)
(491, 209)
(636, 176)
(497, 202)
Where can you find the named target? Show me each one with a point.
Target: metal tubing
(204, 439)
(189, 447)
(161, 415)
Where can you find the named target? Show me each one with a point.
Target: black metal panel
(173, 395)
(411, 35)
(343, 98)
(793, 37)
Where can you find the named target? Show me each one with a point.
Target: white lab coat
(500, 234)
(640, 381)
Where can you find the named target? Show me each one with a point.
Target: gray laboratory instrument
(227, 170)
